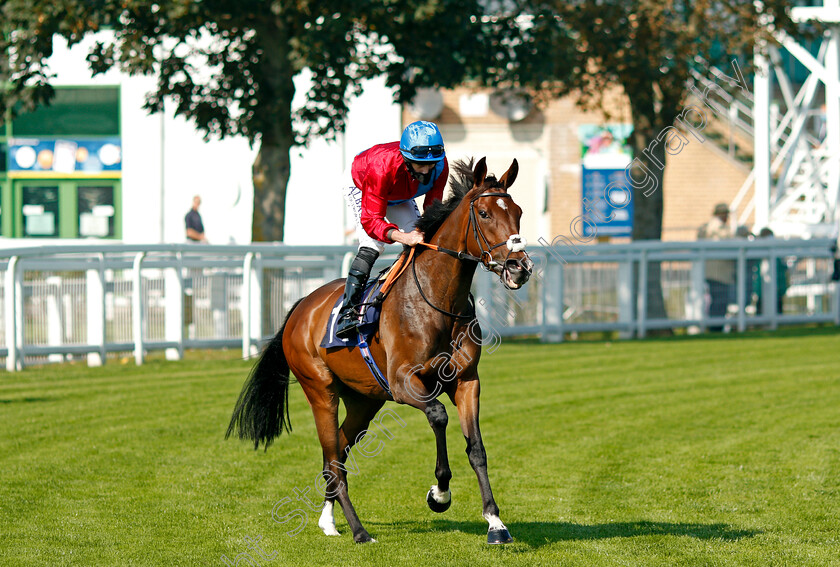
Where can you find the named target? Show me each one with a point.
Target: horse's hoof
(363, 537)
(498, 535)
(329, 530)
(435, 505)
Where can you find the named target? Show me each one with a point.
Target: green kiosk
(61, 168)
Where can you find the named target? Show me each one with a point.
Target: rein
(469, 315)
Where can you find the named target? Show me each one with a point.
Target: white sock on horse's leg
(440, 496)
(495, 522)
(327, 521)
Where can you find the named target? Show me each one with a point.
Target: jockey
(380, 196)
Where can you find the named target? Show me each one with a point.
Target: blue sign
(64, 156)
(608, 214)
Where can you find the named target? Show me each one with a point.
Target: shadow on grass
(24, 400)
(538, 534)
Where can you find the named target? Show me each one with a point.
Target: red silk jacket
(381, 174)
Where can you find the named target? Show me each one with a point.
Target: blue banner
(606, 218)
(71, 157)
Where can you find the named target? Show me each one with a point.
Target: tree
(647, 48)
(229, 65)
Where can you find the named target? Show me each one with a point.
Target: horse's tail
(262, 410)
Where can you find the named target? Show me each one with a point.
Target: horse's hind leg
(324, 403)
(360, 411)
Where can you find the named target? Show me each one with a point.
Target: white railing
(98, 301)
(579, 289)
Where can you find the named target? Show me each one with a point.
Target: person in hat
(384, 181)
(720, 274)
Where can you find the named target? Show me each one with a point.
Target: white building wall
(166, 162)
(315, 210)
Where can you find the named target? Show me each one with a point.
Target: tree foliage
(229, 65)
(646, 48)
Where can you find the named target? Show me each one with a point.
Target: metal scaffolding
(797, 135)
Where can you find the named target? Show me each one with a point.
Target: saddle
(370, 308)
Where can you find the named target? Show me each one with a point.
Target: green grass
(685, 451)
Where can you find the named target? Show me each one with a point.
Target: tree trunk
(647, 200)
(272, 167)
(271, 178)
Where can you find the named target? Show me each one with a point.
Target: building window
(96, 211)
(40, 211)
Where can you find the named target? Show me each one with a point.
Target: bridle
(515, 243)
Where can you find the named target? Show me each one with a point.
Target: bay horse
(425, 314)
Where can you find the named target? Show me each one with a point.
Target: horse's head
(493, 226)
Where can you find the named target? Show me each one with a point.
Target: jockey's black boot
(348, 317)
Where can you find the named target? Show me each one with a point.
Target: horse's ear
(510, 175)
(480, 172)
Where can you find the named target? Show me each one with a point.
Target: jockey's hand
(412, 238)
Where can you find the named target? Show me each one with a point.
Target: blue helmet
(421, 141)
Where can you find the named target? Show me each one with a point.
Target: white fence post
(11, 312)
(642, 298)
(245, 308)
(695, 307)
(770, 293)
(741, 292)
(836, 305)
(95, 305)
(55, 321)
(552, 283)
(257, 304)
(625, 297)
(251, 309)
(173, 297)
(137, 307)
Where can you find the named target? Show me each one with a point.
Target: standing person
(195, 228)
(720, 274)
(384, 181)
(764, 278)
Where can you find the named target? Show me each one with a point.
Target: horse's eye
(483, 214)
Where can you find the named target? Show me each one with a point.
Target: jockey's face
(421, 171)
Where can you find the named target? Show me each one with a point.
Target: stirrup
(348, 324)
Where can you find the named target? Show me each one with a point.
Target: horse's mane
(461, 182)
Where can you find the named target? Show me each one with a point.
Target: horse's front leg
(439, 497)
(466, 399)
(411, 390)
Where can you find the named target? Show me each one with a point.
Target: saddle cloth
(370, 319)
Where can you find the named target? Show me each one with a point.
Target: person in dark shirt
(195, 228)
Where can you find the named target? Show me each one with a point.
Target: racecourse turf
(686, 451)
